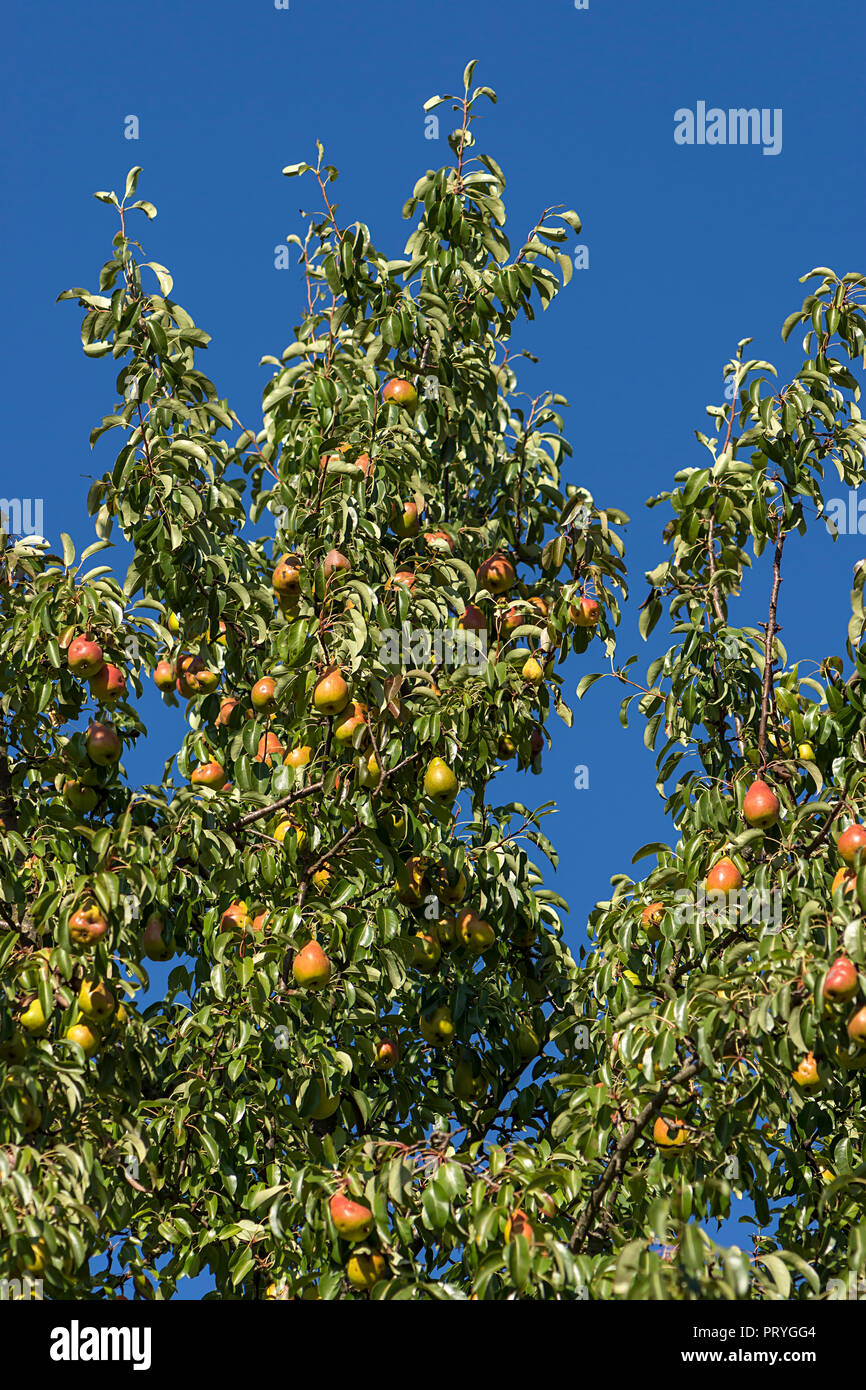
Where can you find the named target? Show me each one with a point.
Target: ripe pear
(806, 1073)
(331, 693)
(268, 747)
(532, 671)
(95, 1000)
(447, 934)
(437, 1027)
(650, 918)
(474, 932)
(263, 693)
(33, 1018)
(724, 877)
(364, 1271)
(842, 981)
(586, 613)
(353, 1220)
(411, 895)
(153, 943)
(84, 657)
(440, 784)
(850, 842)
(496, 574)
(760, 806)
(87, 1040)
(857, 1027)
(311, 968)
(387, 1054)
(400, 391)
(670, 1134)
(426, 951)
(449, 887)
(518, 1224)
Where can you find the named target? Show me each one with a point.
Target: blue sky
(690, 249)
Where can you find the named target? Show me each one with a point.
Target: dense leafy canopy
(363, 607)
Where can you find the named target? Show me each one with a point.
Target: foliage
(516, 1123)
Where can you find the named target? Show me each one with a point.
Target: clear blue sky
(690, 248)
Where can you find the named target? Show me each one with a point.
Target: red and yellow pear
(406, 521)
(398, 391)
(164, 675)
(84, 657)
(496, 574)
(311, 968)
(857, 1027)
(806, 1073)
(671, 1134)
(353, 1220)
(336, 563)
(211, 775)
(269, 746)
(518, 1224)
(476, 934)
(153, 943)
(103, 745)
(850, 842)
(585, 613)
(760, 806)
(87, 926)
(108, 685)
(263, 693)
(472, 619)
(426, 951)
(842, 981)
(387, 1054)
(331, 693)
(349, 722)
(724, 877)
(236, 918)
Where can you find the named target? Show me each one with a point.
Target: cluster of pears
(98, 1010)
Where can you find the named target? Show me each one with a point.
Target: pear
(842, 981)
(857, 1027)
(364, 1271)
(33, 1018)
(440, 784)
(724, 877)
(760, 806)
(95, 1000)
(426, 951)
(311, 968)
(850, 842)
(352, 1220)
